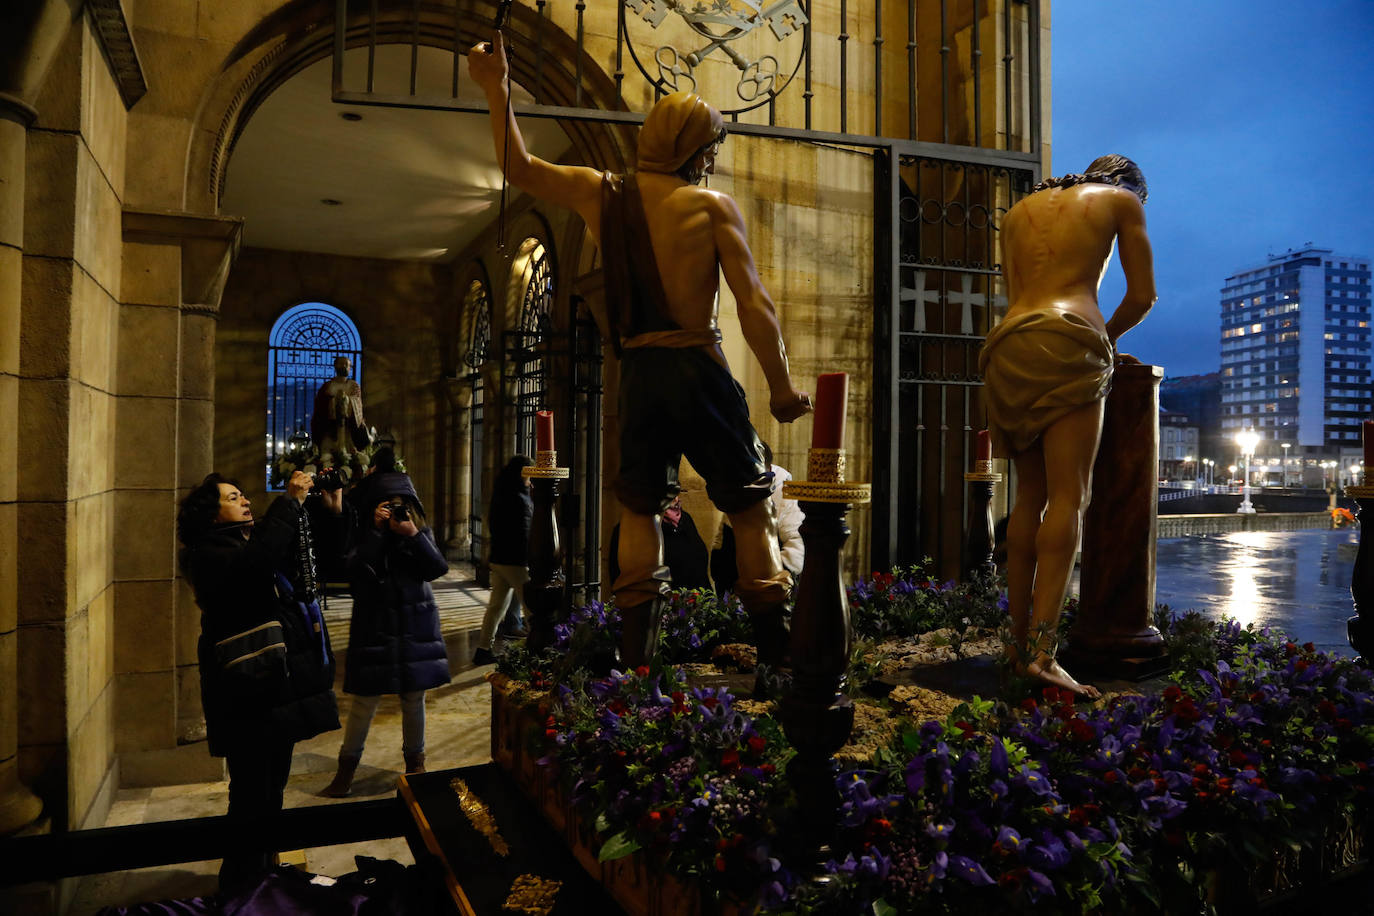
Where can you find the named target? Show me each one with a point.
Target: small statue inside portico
(337, 424)
(1047, 369)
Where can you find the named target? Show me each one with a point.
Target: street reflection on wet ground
(1294, 581)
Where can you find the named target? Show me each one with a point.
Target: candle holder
(548, 582)
(816, 714)
(978, 537)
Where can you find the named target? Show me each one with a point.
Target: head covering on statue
(678, 127)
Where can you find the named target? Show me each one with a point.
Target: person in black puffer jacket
(394, 641)
(266, 667)
(508, 520)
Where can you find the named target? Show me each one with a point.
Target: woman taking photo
(266, 667)
(394, 642)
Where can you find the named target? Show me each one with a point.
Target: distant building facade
(1197, 397)
(1179, 458)
(1295, 352)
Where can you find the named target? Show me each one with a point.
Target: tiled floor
(457, 733)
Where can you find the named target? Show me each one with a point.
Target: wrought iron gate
(559, 368)
(945, 170)
(942, 285)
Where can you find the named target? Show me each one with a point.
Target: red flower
(1081, 730)
(756, 744)
(1029, 704)
(730, 759)
(720, 863)
(642, 671)
(1173, 693)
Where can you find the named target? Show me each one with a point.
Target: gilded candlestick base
(826, 484)
(983, 473)
(545, 467)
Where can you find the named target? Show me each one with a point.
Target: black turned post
(548, 582)
(816, 715)
(1360, 628)
(978, 537)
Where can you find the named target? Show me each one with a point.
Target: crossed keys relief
(720, 24)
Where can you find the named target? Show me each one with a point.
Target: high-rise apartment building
(1295, 350)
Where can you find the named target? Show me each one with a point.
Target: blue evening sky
(1253, 121)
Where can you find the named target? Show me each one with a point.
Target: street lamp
(1187, 462)
(1286, 446)
(1246, 440)
(1232, 476)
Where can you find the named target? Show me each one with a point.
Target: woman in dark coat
(266, 667)
(509, 518)
(394, 642)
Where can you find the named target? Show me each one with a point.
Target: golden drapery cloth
(1038, 366)
(677, 126)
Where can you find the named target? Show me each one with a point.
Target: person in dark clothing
(684, 552)
(394, 642)
(266, 666)
(508, 519)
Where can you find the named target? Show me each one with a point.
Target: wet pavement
(1295, 581)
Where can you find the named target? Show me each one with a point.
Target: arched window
(301, 351)
(477, 303)
(534, 271)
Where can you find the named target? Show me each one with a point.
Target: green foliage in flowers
(909, 601)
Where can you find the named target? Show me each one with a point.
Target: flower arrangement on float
(1254, 751)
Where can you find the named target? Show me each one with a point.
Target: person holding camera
(266, 666)
(394, 642)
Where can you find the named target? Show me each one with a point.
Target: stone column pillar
(34, 31)
(175, 267)
(1114, 629)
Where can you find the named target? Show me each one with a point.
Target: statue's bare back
(1057, 244)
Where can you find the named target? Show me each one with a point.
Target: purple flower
(970, 871)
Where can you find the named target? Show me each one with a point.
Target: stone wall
(67, 541)
(405, 311)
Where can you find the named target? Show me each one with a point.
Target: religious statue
(664, 242)
(1047, 368)
(337, 424)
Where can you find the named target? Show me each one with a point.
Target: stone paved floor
(457, 733)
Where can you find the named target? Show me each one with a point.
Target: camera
(329, 479)
(400, 512)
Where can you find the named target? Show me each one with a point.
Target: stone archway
(302, 33)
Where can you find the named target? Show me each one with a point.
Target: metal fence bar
(878, 67)
(1033, 49)
(414, 42)
(807, 93)
(844, 66)
(944, 74)
(457, 55)
(581, 35)
(976, 53)
(911, 69)
(1008, 58)
(541, 15)
(371, 42)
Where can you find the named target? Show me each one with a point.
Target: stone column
(175, 267)
(1114, 630)
(35, 29)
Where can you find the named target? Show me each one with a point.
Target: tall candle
(984, 445)
(543, 430)
(1368, 431)
(832, 404)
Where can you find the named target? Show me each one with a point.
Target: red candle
(984, 445)
(543, 430)
(832, 404)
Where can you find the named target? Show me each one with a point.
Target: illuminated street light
(1286, 446)
(1246, 440)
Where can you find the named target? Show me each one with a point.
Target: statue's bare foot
(1052, 673)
